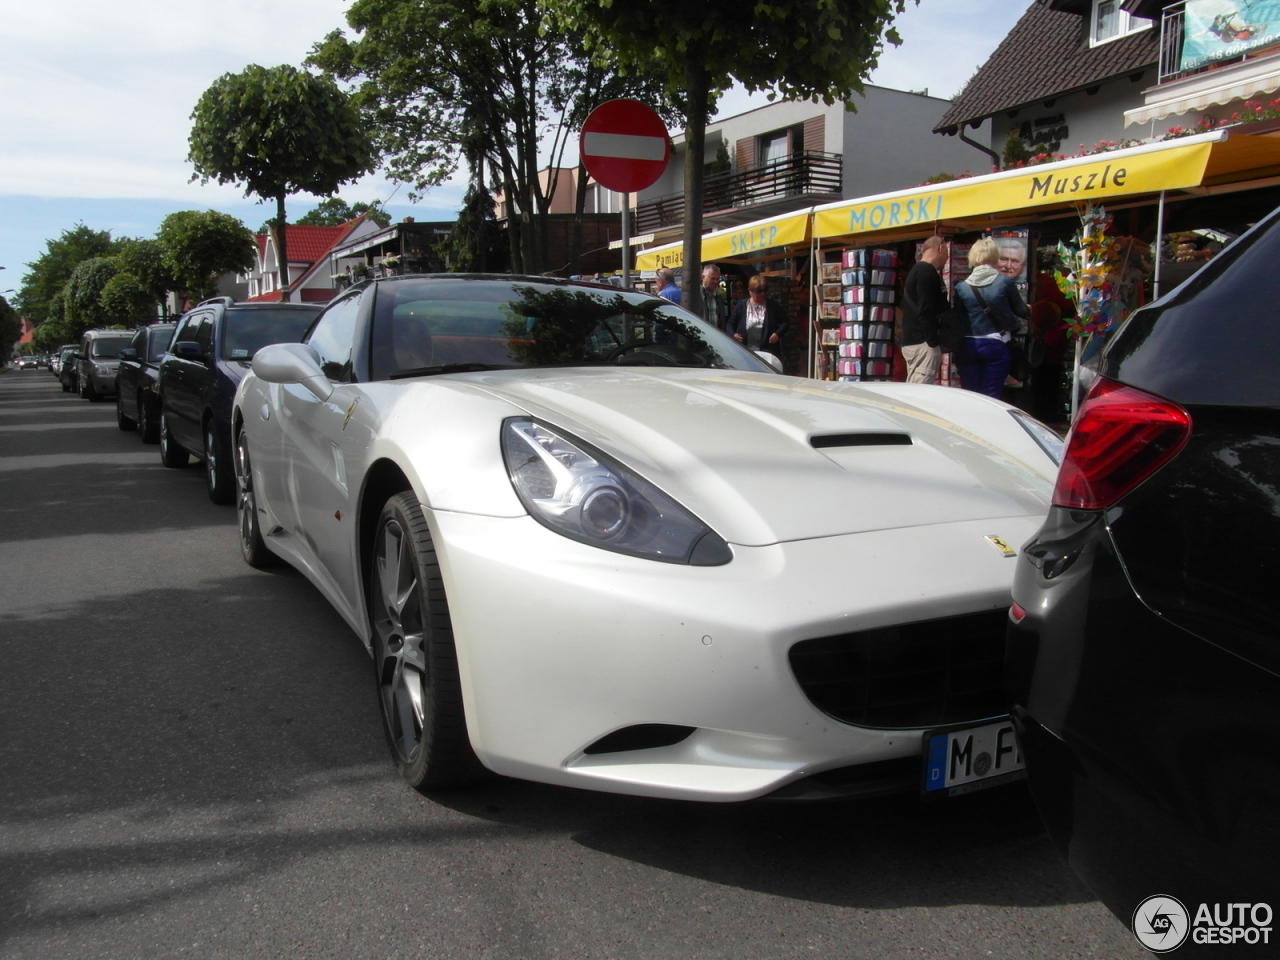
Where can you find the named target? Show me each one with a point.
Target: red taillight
(1120, 437)
(1016, 613)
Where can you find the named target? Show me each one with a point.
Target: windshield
(248, 331)
(108, 347)
(444, 325)
(158, 343)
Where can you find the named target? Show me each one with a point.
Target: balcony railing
(1173, 32)
(1171, 29)
(803, 174)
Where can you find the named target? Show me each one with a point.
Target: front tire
(219, 480)
(415, 663)
(91, 394)
(171, 455)
(252, 547)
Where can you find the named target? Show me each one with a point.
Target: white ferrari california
(590, 540)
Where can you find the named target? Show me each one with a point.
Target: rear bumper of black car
(1152, 754)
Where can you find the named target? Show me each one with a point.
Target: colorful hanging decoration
(1088, 264)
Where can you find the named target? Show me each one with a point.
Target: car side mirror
(770, 359)
(292, 363)
(128, 353)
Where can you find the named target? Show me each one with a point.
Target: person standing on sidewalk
(714, 310)
(923, 298)
(667, 287)
(994, 306)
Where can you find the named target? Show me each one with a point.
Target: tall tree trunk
(695, 138)
(282, 252)
(579, 205)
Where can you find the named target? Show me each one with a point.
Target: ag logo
(1161, 923)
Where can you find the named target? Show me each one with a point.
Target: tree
(144, 261)
(797, 49)
(46, 277)
(450, 81)
(278, 131)
(334, 212)
(10, 327)
(125, 301)
(199, 246)
(82, 306)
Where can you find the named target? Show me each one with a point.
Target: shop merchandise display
(868, 278)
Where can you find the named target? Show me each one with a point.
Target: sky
(95, 104)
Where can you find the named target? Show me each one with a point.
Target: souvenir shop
(840, 267)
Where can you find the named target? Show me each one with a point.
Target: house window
(1109, 22)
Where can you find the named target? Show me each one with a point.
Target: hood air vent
(860, 440)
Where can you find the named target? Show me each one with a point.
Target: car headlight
(581, 493)
(102, 368)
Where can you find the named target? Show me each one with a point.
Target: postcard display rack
(869, 290)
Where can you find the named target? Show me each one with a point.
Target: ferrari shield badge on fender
(1001, 545)
(350, 410)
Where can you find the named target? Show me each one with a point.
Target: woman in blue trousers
(992, 304)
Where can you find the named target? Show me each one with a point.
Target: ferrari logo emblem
(350, 410)
(999, 544)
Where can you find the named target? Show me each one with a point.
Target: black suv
(138, 380)
(1143, 653)
(210, 355)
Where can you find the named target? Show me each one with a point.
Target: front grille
(926, 674)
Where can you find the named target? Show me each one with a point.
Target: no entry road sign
(624, 145)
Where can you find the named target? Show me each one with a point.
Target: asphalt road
(191, 765)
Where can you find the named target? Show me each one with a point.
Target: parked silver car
(98, 360)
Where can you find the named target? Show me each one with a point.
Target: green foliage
(334, 212)
(469, 246)
(125, 301)
(47, 275)
(450, 81)
(1015, 150)
(144, 261)
(10, 326)
(82, 308)
(278, 131)
(797, 49)
(198, 246)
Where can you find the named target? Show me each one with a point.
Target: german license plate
(958, 761)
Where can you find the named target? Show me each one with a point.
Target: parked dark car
(1143, 653)
(138, 380)
(66, 368)
(96, 362)
(209, 356)
(58, 355)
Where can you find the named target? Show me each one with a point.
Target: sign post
(625, 147)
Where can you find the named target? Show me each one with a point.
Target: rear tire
(414, 659)
(148, 425)
(218, 478)
(125, 423)
(252, 547)
(171, 455)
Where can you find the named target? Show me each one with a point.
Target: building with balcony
(791, 155)
(1212, 58)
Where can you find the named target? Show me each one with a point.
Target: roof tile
(1046, 54)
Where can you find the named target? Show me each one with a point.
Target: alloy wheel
(399, 639)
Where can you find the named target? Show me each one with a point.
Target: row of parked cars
(173, 382)
(591, 541)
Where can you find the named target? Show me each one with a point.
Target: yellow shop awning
(1148, 169)
(748, 240)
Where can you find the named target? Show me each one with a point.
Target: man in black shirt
(923, 298)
